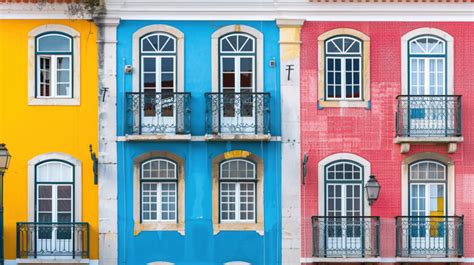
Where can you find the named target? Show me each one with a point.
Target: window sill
(138, 228)
(343, 104)
(54, 102)
(257, 227)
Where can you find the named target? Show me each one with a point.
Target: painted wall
(29, 131)
(370, 133)
(199, 245)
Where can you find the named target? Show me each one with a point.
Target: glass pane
(229, 102)
(228, 65)
(45, 205)
(64, 205)
(246, 80)
(167, 80)
(64, 217)
(45, 192)
(229, 80)
(64, 192)
(149, 80)
(150, 44)
(63, 89)
(226, 47)
(247, 46)
(233, 41)
(63, 76)
(54, 43)
(167, 44)
(246, 65)
(149, 64)
(167, 64)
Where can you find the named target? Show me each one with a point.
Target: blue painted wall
(199, 245)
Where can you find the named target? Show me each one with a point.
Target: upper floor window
(237, 63)
(159, 186)
(54, 65)
(343, 68)
(237, 185)
(427, 66)
(344, 72)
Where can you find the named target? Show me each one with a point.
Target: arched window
(54, 61)
(158, 56)
(343, 66)
(344, 189)
(158, 189)
(427, 188)
(54, 189)
(237, 63)
(427, 65)
(237, 190)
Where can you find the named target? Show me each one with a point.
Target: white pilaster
(290, 126)
(107, 44)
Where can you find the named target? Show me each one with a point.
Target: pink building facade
(391, 100)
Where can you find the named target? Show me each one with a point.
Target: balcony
(429, 236)
(157, 116)
(61, 241)
(346, 237)
(238, 116)
(428, 119)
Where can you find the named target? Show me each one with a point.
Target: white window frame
(73, 98)
(344, 56)
(53, 76)
(159, 182)
(77, 173)
(449, 51)
(238, 182)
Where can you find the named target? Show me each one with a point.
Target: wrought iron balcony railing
(157, 113)
(429, 236)
(238, 113)
(52, 239)
(428, 116)
(346, 236)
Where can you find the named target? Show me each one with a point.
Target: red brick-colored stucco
(370, 133)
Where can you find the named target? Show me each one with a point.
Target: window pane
(64, 205)
(150, 44)
(167, 80)
(63, 89)
(149, 80)
(247, 46)
(54, 43)
(149, 201)
(228, 200)
(246, 64)
(246, 80)
(167, 44)
(228, 65)
(168, 201)
(45, 205)
(149, 64)
(167, 64)
(229, 80)
(64, 192)
(45, 192)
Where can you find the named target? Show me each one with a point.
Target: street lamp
(373, 189)
(4, 163)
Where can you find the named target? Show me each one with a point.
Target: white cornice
(257, 11)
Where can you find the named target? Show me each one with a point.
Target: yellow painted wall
(29, 131)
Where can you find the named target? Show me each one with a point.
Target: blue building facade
(199, 150)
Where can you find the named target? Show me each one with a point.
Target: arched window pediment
(343, 45)
(158, 42)
(237, 43)
(54, 42)
(427, 44)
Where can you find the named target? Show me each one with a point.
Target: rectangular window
(159, 201)
(54, 76)
(237, 202)
(343, 78)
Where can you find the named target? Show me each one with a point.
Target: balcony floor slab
(238, 137)
(384, 260)
(154, 137)
(52, 261)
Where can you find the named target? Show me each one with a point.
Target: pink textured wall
(370, 133)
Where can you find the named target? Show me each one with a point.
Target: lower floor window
(237, 190)
(159, 190)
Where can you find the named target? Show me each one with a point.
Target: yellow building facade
(48, 119)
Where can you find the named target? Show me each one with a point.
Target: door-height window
(54, 192)
(237, 63)
(159, 190)
(237, 191)
(343, 68)
(427, 206)
(54, 60)
(427, 66)
(158, 78)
